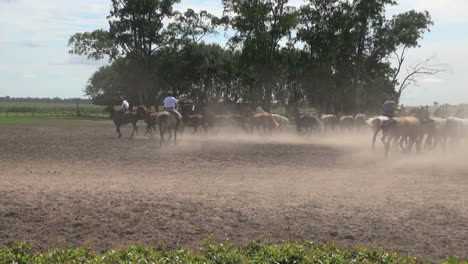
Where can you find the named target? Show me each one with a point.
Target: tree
(350, 44)
(110, 84)
(137, 30)
(260, 27)
(415, 72)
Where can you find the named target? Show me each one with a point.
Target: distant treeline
(55, 100)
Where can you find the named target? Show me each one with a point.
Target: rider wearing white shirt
(125, 106)
(434, 108)
(170, 105)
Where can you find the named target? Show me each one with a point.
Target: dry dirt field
(83, 187)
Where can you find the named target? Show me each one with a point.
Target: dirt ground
(83, 187)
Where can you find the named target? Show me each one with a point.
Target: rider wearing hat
(389, 108)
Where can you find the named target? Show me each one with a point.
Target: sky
(34, 59)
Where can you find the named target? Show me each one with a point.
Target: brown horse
(307, 123)
(408, 130)
(150, 118)
(120, 118)
(167, 123)
(194, 121)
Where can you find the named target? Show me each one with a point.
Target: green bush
(222, 253)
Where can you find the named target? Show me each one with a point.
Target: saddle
(174, 114)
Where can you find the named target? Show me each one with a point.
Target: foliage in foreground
(254, 252)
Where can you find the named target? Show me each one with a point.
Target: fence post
(77, 108)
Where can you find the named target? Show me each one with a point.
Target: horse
(434, 132)
(281, 120)
(265, 120)
(406, 129)
(347, 122)
(194, 121)
(454, 129)
(309, 122)
(376, 125)
(120, 118)
(329, 121)
(149, 116)
(360, 121)
(167, 123)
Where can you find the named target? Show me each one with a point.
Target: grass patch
(15, 110)
(55, 121)
(254, 252)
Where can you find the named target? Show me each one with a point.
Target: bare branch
(400, 59)
(424, 68)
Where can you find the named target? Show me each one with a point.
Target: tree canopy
(331, 54)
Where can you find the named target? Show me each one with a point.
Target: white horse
(376, 125)
(281, 120)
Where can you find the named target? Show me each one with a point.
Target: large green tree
(137, 30)
(350, 45)
(260, 26)
(335, 55)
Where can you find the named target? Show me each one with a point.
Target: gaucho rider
(389, 108)
(170, 105)
(125, 106)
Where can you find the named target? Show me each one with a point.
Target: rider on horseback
(389, 108)
(169, 105)
(125, 106)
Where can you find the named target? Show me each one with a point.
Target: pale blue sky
(35, 60)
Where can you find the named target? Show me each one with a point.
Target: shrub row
(254, 252)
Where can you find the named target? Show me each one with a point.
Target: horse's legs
(419, 143)
(387, 145)
(135, 128)
(376, 131)
(401, 142)
(175, 136)
(437, 139)
(195, 128)
(429, 142)
(169, 130)
(161, 135)
(118, 131)
(150, 127)
(181, 127)
(411, 141)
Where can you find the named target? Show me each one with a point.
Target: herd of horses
(408, 131)
(398, 132)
